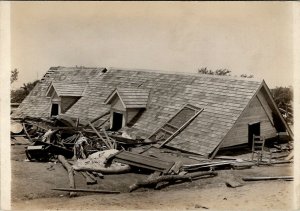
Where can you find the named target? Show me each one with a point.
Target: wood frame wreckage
(194, 113)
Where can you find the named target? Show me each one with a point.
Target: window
(177, 123)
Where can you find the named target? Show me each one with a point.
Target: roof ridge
(184, 73)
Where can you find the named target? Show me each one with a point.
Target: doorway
(117, 121)
(54, 109)
(253, 129)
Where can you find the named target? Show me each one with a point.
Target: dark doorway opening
(117, 121)
(54, 109)
(253, 129)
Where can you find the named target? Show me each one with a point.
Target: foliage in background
(283, 97)
(205, 70)
(18, 95)
(14, 75)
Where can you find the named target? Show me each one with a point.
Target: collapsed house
(193, 113)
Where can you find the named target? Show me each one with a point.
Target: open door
(117, 121)
(253, 129)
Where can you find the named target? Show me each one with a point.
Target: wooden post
(69, 169)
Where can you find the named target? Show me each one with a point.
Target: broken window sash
(176, 124)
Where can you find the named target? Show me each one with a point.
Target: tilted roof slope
(36, 104)
(130, 97)
(223, 99)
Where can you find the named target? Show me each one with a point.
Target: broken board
(143, 161)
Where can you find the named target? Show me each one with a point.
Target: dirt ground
(32, 183)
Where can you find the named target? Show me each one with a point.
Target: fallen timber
(289, 178)
(170, 178)
(70, 171)
(86, 190)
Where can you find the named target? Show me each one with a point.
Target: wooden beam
(268, 178)
(70, 171)
(85, 190)
(98, 134)
(24, 127)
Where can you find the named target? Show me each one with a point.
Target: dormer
(125, 104)
(63, 96)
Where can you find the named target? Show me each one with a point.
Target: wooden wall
(117, 104)
(257, 110)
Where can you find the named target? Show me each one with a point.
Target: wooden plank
(268, 178)
(143, 161)
(85, 190)
(99, 135)
(24, 127)
(70, 171)
(21, 141)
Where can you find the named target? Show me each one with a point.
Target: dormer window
(125, 104)
(63, 96)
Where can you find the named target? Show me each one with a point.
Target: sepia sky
(244, 37)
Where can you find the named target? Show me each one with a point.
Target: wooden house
(190, 112)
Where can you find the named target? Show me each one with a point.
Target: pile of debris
(94, 151)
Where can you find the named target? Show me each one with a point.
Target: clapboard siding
(253, 113)
(117, 104)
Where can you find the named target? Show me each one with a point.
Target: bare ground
(32, 183)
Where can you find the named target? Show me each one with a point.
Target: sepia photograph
(148, 105)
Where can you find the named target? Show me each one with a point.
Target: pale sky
(244, 37)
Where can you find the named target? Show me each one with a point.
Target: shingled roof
(223, 100)
(71, 89)
(130, 97)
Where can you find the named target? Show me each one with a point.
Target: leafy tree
(14, 75)
(205, 70)
(283, 97)
(246, 76)
(17, 96)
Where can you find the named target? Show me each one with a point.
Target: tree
(246, 76)
(17, 96)
(205, 70)
(14, 75)
(283, 97)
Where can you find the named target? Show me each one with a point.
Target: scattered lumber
(169, 178)
(233, 183)
(89, 180)
(21, 141)
(268, 178)
(100, 175)
(97, 118)
(91, 176)
(143, 161)
(207, 165)
(70, 171)
(176, 168)
(25, 130)
(98, 134)
(290, 156)
(86, 190)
